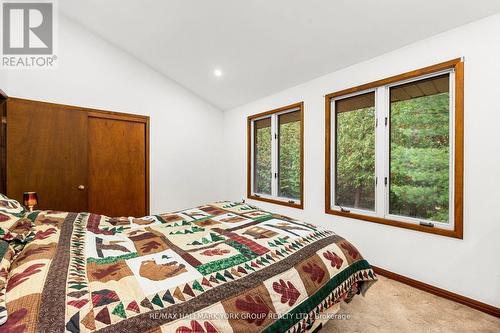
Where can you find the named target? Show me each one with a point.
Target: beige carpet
(390, 306)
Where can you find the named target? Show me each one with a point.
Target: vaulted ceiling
(264, 46)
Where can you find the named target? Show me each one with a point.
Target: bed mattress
(221, 267)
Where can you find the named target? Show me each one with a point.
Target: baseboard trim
(483, 307)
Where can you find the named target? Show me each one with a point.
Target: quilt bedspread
(223, 267)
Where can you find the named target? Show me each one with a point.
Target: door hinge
(276, 136)
(385, 181)
(386, 121)
(275, 175)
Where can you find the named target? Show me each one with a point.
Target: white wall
(186, 132)
(470, 267)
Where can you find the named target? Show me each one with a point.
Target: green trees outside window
(419, 147)
(289, 155)
(262, 153)
(277, 155)
(355, 152)
(419, 150)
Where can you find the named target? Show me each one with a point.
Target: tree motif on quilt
(255, 305)
(335, 260)
(313, 273)
(350, 252)
(255, 308)
(289, 294)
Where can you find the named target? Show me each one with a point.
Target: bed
(221, 267)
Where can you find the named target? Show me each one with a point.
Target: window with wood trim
(275, 156)
(355, 151)
(394, 150)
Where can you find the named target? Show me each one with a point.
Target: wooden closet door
(117, 166)
(47, 153)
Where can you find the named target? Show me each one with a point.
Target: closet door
(47, 153)
(117, 146)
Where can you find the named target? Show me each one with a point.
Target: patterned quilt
(223, 267)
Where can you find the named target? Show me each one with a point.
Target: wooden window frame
(458, 66)
(250, 119)
(3, 142)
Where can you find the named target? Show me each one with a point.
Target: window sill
(456, 233)
(278, 202)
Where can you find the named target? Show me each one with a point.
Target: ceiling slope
(264, 46)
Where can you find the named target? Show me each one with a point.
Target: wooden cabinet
(78, 159)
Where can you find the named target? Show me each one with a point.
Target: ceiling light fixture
(217, 72)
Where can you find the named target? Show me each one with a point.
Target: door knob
(81, 187)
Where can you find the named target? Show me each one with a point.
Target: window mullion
(380, 150)
(387, 148)
(274, 155)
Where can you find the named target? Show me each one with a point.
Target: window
(262, 152)
(419, 159)
(355, 152)
(394, 150)
(275, 156)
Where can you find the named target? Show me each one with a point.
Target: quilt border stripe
(51, 318)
